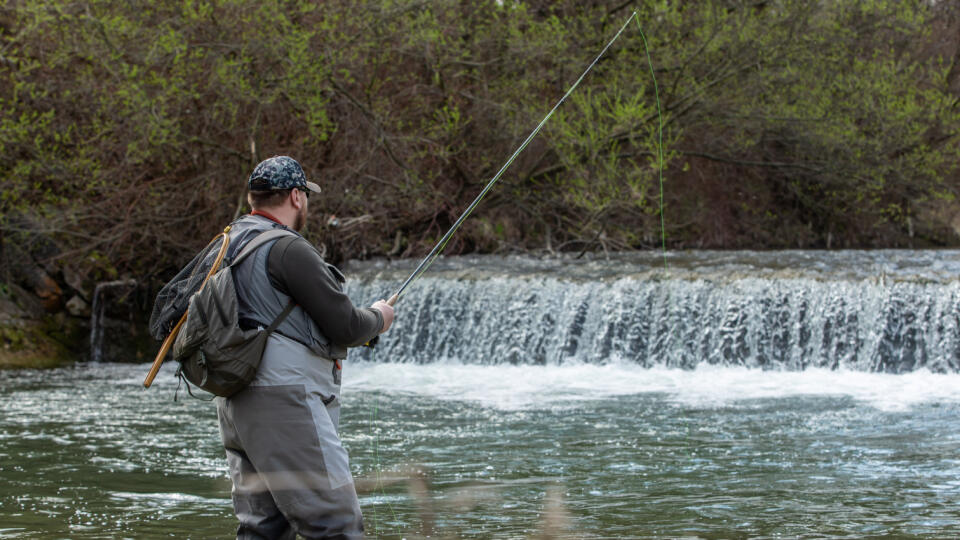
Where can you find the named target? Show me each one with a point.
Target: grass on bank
(36, 345)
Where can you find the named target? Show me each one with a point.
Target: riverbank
(59, 339)
(51, 316)
(32, 338)
(40, 357)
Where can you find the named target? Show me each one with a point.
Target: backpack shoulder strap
(283, 315)
(258, 241)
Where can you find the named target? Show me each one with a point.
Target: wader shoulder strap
(258, 241)
(252, 246)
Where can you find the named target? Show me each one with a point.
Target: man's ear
(297, 198)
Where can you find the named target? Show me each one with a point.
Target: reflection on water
(715, 452)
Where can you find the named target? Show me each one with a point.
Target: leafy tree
(127, 129)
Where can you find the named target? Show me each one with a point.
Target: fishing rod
(435, 252)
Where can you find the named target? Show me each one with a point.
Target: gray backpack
(214, 353)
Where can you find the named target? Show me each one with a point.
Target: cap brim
(313, 187)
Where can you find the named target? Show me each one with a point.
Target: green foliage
(127, 129)
(857, 120)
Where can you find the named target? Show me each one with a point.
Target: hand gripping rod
(435, 252)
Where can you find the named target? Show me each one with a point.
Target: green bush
(127, 128)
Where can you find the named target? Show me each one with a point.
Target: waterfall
(98, 310)
(764, 314)
(96, 329)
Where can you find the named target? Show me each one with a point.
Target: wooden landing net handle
(167, 343)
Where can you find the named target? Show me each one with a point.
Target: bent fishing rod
(435, 252)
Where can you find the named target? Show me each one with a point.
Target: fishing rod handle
(393, 299)
(167, 343)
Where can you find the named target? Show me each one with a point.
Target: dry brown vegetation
(128, 128)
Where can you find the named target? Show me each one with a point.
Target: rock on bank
(52, 316)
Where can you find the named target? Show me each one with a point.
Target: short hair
(268, 198)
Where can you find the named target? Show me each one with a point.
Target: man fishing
(290, 472)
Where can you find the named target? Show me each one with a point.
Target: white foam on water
(516, 387)
(168, 499)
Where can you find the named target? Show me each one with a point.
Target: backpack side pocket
(194, 331)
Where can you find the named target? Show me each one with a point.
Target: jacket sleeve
(297, 269)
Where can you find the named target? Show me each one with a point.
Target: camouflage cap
(279, 172)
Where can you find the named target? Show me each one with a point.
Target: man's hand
(387, 311)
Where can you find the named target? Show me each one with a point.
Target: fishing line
(435, 252)
(374, 417)
(373, 427)
(656, 95)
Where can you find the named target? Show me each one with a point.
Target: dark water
(716, 452)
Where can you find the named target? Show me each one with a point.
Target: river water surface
(87, 453)
(777, 431)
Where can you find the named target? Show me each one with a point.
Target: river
(732, 395)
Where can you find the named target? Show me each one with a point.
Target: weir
(892, 311)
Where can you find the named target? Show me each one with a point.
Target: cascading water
(96, 329)
(866, 311)
(98, 310)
